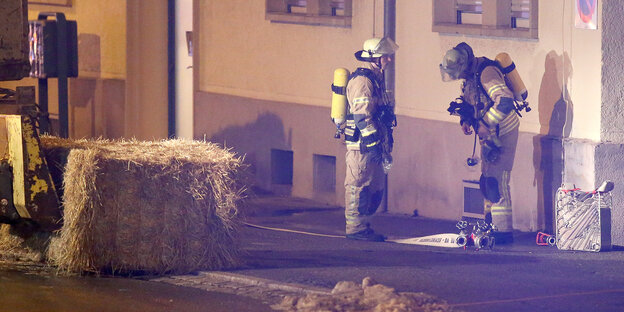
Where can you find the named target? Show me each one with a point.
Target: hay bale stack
(158, 207)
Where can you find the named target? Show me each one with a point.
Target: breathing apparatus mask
(456, 61)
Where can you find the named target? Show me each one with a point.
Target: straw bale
(159, 207)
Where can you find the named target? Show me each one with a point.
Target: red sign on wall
(586, 14)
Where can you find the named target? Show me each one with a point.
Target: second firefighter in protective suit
(368, 136)
(495, 120)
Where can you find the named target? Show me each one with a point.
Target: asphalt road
(28, 290)
(518, 277)
(292, 259)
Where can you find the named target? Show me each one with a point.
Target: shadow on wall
(555, 117)
(96, 104)
(83, 94)
(266, 149)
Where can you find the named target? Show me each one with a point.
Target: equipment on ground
(583, 218)
(448, 240)
(478, 234)
(543, 239)
(339, 99)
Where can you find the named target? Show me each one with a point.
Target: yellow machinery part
(339, 101)
(519, 90)
(34, 194)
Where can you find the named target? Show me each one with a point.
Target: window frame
(317, 12)
(496, 20)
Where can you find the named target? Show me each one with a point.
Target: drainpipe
(171, 60)
(389, 31)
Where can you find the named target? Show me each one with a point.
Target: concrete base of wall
(588, 164)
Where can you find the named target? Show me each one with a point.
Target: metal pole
(389, 31)
(62, 75)
(44, 120)
(62, 72)
(171, 69)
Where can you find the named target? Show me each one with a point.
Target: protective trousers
(497, 174)
(364, 185)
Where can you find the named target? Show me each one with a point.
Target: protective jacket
(365, 96)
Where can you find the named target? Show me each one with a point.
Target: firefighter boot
(367, 235)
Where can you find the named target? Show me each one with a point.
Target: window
(473, 200)
(281, 167)
(497, 18)
(335, 13)
(324, 173)
(520, 13)
(469, 12)
(51, 2)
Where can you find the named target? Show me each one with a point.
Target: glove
(466, 128)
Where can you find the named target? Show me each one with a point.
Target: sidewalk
(517, 277)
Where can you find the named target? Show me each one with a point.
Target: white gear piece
(377, 47)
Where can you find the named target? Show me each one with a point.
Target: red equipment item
(543, 239)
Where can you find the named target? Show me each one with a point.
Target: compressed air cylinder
(339, 99)
(510, 72)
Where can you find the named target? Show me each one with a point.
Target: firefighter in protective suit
(496, 123)
(367, 137)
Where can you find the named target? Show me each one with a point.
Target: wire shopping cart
(583, 218)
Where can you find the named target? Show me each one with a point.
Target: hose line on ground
(289, 231)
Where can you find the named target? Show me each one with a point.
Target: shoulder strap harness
(487, 62)
(352, 133)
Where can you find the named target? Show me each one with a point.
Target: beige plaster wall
(145, 115)
(243, 56)
(300, 59)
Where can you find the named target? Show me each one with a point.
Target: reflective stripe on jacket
(363, 98)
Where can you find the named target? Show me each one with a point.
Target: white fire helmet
(376, 47)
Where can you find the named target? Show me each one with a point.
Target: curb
(270, 284)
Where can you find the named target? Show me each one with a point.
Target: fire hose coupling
(462, 240)
(543, 239)
(479, 235)
(483, 241)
